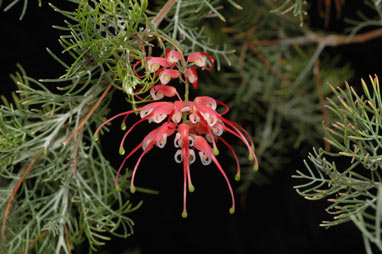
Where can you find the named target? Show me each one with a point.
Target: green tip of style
(237, 177)
(132, 189)
(239, 7)
(191, 188)
(184, 214)
(250, 157)
(121, 151)
(216, 151)
(232, 210)
(256, 167)
(123, 126)
(117, 188)
(96, 137)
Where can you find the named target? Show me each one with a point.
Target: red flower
(200, 59)
(153, 64)
(192, 77)
(159, 91)
(203, 109)
(197, 124)
(184, 141)
(173, 56)
(165, 75)
(157, 137)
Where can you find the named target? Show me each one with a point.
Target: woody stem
(11, 197)
(83, 122)
(163, 12)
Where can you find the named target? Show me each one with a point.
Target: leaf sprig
(354, 187)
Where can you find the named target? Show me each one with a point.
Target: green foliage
(58, 195)
(275, 89)
(292, 5)
(350, 177)
(68, 195)
(14, 2)
(272, 89)
(188, 23)
(102, 40)
(366, 20)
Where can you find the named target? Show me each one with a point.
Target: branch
(67, 140)
(330, 40)
(30, 245)
(320, 93)
(163, 12)
(10, 200)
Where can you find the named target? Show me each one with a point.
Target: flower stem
(186, 94)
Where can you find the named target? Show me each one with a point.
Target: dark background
(268, 219)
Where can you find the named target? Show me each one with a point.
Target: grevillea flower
(156, 111)
(159, 137)
(156, 137)
(173, 56)
(203, 109)
(197, 124)
(153, 112)
(183, 141)
(153, 64)
(192, 77)
(201, 131)
(200, 59)
(165, 75)
(159, 91)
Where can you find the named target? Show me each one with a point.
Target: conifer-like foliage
(349, 174)
(58, 189)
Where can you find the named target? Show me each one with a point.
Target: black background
(269, 219)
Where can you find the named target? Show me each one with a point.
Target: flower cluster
(195, 125)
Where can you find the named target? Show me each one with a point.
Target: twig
(67, 240)
(330, 40)
(163, 12)
(266, 63)
(76, 152)
(249, 44)
(30, 245)
(82, 123)
(10, 200)
(320, 92)
(244, 48)
(173, 43)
